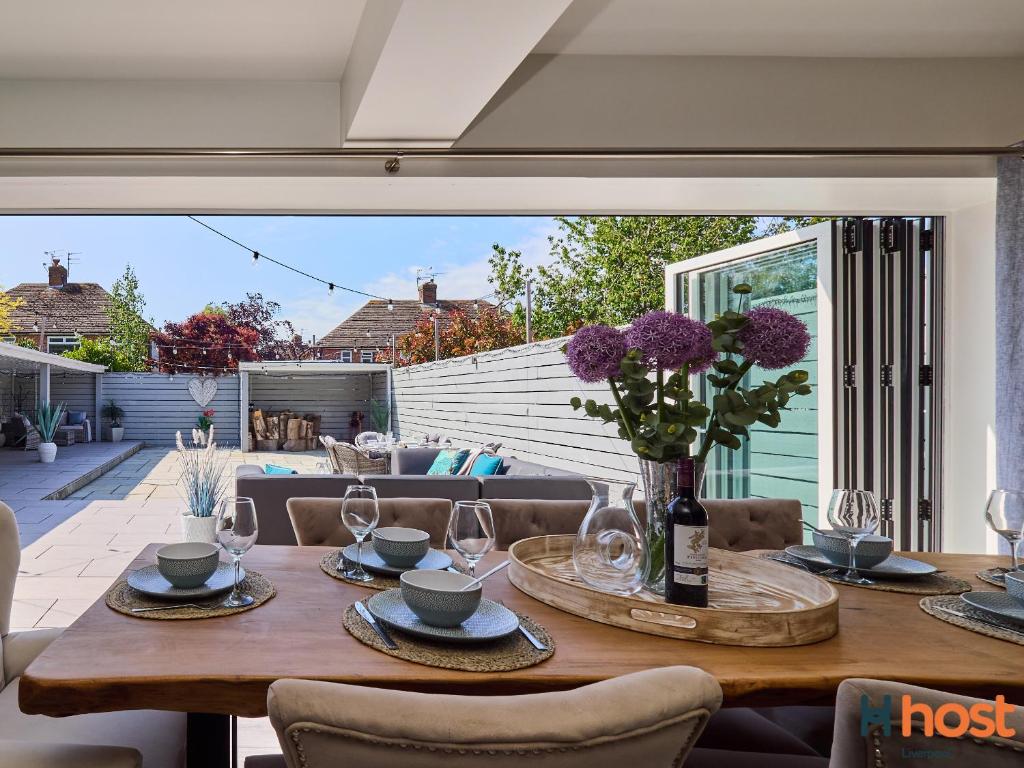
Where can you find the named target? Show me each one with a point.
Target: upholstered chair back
(10, 559)
(649, 718)
(317, 522)
(852, 750)
(735, 524)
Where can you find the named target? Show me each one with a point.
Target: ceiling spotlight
(330, 289)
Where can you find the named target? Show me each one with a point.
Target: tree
(461, 334)
(7, 306)
(278, 339)
(611, 269)
(129, 331)
(205, 343)
(100, 352)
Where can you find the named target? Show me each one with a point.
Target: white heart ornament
(202, 390)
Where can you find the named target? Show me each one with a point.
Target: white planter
(47, 452)
(116, 434)
(198, 529)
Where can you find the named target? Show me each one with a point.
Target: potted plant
(380, 415)
(48, 418)
(114, 413)
(648, 368)
(203, 432)
(204, 483)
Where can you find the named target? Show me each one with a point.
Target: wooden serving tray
(752, 602)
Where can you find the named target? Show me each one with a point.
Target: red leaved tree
(206, 343)
(461, 334)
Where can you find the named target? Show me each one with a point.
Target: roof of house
(75, 307)
(372, 324)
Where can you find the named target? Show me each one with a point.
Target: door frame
(822, 234)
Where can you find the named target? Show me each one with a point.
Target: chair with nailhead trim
(649, 718)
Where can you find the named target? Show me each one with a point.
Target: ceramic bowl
(1015, 585)
(435, 598)
(401, 547)
(871, 550)
(187, 565)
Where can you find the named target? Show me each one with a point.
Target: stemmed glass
(360, 513)
(471, 530)
(1004, 514)
(236, 532)
(853, 514)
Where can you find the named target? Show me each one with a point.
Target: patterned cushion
(485, 465)
(448, 462)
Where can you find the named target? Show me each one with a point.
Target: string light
(255, 256)
(330, 289)
(174, 350)
(391, 306)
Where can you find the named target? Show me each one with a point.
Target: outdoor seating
(352, 460)
(647, 718)
(84, 741)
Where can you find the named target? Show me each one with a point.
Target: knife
(382, 633)
(530, 637)
(972, 617)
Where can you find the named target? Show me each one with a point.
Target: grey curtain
(1010, 323)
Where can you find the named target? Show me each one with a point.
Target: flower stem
(737, 377)
(622, 411)
(661, 394)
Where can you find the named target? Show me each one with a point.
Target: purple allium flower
(774, 338)
(595, 352)
(668, 339)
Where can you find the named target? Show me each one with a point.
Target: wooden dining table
(217, 667)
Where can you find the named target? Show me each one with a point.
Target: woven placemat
(123, 598)
(978, 621)
(988, 576)
(329, 565)
(933, 584)
(504, 655)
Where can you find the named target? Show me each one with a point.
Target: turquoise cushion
(273, 469)
(448, 461)
(485, 465)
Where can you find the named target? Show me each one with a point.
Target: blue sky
(182, 266)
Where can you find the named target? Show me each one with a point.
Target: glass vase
(660, 487)
(610, 551)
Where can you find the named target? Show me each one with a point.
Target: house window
(366, 356)
(346, 355)
(59, 344)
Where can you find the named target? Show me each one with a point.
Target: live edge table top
(107, 661)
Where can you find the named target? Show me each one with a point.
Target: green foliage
(48, 418)
(114, 412)
(379, 414)
(26, 342)
(101, 352)
(611, 269)
(129, 331)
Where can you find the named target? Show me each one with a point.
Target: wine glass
(236, 533)
(853, 514)
(360, 513)
(1004, 514)
(471, 529)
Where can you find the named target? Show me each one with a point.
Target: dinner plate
(434, 560)
(490, 622)
(893, 567)
(998, 604)
(149, 582)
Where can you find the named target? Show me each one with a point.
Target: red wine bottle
(686, 543)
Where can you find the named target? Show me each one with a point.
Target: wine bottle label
(690, 579)
(691, 546)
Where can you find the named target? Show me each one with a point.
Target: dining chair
(649, 718)
(881, 704)
(109, 740)
(317, 521)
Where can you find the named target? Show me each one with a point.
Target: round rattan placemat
(934, 584)
(504, 655)
(988, 576)
(974, 620)
(329, 565)
(123, 598)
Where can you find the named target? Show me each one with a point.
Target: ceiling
(841, 28)
(182, 40)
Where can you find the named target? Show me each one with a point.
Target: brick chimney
(428, 292)
(58, 275)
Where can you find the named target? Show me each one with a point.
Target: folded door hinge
(885, 375)
(852, 235)
(924, 509)
(927, 240)
(849, 375)
(924, 377)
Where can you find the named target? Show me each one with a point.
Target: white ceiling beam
(421, 70)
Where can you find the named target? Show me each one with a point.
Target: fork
(176, 605)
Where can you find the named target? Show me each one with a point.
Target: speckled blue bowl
(187, 565)
(435, 598)
(1015, 585)
(871, 550)
(401, 547)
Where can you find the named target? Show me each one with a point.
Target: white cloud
(466, 280)
(317, 314)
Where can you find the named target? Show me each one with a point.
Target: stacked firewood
(287, 431)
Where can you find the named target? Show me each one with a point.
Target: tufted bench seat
(317, 522)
